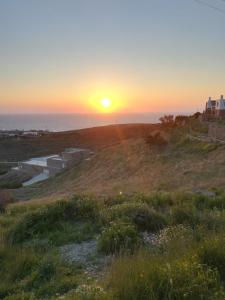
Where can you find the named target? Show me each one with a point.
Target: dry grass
(133, 166)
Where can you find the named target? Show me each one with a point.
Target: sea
(65, 122)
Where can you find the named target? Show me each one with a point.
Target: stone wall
(216, 131)
(31, 169)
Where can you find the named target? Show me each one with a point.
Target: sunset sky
(144, 55)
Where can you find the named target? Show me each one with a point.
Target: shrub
(155, 139)
(85, 207)
(160, 200)
(147, 277)
(10, 186)
(70, 232)
(184, 215)
(119, 236)
(204, 202)
(167, 120)
(182, 120)
(149, 219)
(145, 217)
(36, 223)
(212, 219)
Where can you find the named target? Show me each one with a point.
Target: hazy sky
(148, 55)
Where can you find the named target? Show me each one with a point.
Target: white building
(215, 108)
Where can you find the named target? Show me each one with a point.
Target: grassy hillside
(135, 166)
(19, 149)
(161, 246)
(139, 220)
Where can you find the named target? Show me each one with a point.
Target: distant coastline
(64, 122)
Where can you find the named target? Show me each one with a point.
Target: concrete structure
(36, 165)
(43, 167)
(56, 165)
(215, 109)
(40, 177)
(74, 155)
(67, 159)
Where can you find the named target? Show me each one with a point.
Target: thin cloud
(214, 7)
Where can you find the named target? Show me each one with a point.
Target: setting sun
(106, 103)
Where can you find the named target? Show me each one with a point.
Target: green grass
(149, 277)
(26, 272)
(186, 224)
(52, 219)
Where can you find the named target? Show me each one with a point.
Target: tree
(196, 115)
(167, 120)
(182, 120)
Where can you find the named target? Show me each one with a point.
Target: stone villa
(215, 109)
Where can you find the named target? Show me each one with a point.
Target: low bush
(149, 219)
(49, 218)
(72, 232)
(184, 215)
(205, 202)
(119, 236)
(156, 139)
(160, 200)
(213, 220)
(10, 185)
(145, 217)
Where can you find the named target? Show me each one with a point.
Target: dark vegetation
(4, 168)
(170, 121)
(156, 139)
(13, 179)
(186, 224)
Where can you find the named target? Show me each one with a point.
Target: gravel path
(86, 255)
